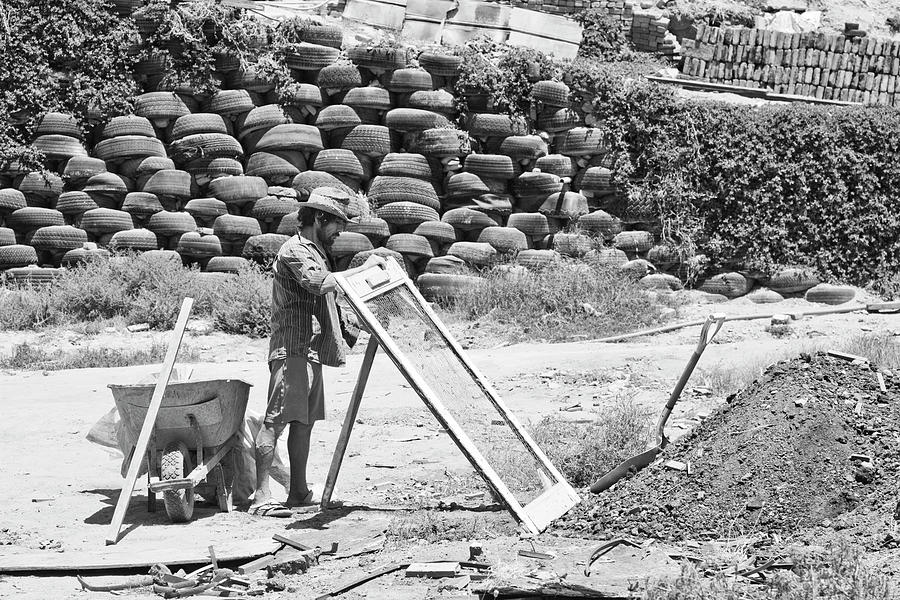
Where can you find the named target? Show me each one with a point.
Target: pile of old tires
(216, 180)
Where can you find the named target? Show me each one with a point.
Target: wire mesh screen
(425, 347)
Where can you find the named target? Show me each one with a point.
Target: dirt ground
(58, 490)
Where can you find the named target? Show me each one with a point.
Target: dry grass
(882, 349)
(564, 302)
(27, 357)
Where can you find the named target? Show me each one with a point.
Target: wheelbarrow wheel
(175, 464)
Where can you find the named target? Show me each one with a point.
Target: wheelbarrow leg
(152, 468)
(223, 490)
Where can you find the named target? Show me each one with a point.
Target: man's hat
(326, 205)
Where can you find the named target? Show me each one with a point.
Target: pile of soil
(812, 440)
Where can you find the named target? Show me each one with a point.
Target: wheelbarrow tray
(218, 405)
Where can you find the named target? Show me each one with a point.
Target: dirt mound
(813, 439)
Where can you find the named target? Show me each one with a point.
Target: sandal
(303, 505)
(270, 509)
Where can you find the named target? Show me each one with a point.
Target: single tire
(446, 287)
(467, 219)
(407, 213)
(58, 237)
(575, 245)
(557, 164)
(193, 245)
(17, 255)
(369, 97)
(524, 147)
(793, 280)
(465, 186)
(175, 464)
(307, 181)
(533, 225)
(263, 248)
(570, 205)
(7, 236)
(160, 106)
(75, 204)
(449, 265)
(226, 264)
(437, 232)
(491, 166)
(30, 218)
(378, 59)
(401, 164)
(609, 257)
(339, 162)
(551, 93)
(369, 140)
(337, 116)
(532, 188)
(538, 259)
(339, 76)
(474, 253)
(239, 189)
(123, 147)
(410, 244)
(637, 268)
(140, 205)
(291, 136)
(81, 168)
(197, 123)
(11, 200)
(440, 64)
(310, 57)
(323, 35)
(59, 147)
(386, 189)
(764, 296)
(560, 120)
(169, 183)
(273, 168)
(348, 243)
(167, 224)
(130, 125)
(730, 285)
(374, 228)
(410, 120)
(440, 101)
(56, 123)
(441, 143)
(407, 81)
(825, 293)
(489, 125)
(505, 240)
(263, 118)
(636, 242)
(661, 281)
(603, 224)
(229, 103)
(583, 141)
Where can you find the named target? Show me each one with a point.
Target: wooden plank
(255, 565)
(434, 570)
(137, 457)
(352, 410)
(291, 542)
(133, 556)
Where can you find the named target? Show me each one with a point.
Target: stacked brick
(648, 33)
(820, 65)
(556, 7)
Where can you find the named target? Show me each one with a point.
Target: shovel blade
(635, 463)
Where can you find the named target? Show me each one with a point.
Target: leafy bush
(244, 304)
(755, 189)
(602, 36)
(504, 73)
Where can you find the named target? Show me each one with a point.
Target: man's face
(329, 232)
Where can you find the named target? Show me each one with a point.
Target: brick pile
(826, 66)
(648, 33)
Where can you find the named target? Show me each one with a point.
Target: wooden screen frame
(377, 277)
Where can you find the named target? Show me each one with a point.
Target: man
(306, 334)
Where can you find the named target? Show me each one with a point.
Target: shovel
(710, 328)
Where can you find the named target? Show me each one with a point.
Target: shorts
(296, 391)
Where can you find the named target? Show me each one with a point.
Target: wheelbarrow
(195, 434)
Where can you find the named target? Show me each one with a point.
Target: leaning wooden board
(132, 556)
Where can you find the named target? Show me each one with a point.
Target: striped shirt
(305, 319)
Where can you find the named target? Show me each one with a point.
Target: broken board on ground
(417, 342)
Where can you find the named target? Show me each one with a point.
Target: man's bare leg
(264, 452)
(298, 452)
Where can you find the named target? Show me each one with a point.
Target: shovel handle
(711, 327)
(883, 307)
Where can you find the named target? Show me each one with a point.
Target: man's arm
(311, 276)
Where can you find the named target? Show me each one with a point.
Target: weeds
(837, 572)
(27, 357)
(243, 304)
(140, 289)
(585, 451)
(433, 526)
(568, 300)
